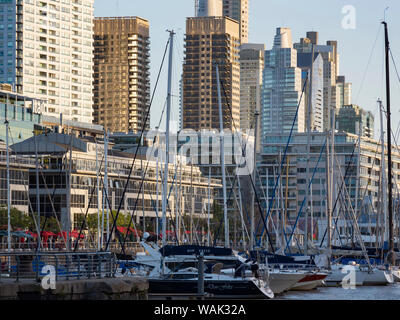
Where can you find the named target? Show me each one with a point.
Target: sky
(360, 42)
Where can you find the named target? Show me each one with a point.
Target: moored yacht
(216, 286)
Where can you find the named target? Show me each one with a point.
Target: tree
(18, 219)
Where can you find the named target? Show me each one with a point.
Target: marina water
(389, 292)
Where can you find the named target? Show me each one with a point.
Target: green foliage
(91, 221)
(18, 219)
(51, 224)
(21, 220)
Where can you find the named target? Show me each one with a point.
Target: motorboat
(216, 286)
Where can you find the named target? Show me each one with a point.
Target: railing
(292, 266)
(59, 247)
(66, 266)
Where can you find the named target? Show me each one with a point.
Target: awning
(75, 234)
(20, 234)
(48, 234)
(202, 232)
(72, 234)
(121, 229)
(33, 235)
(131, 231)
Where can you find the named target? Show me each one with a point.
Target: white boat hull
(283, 281)
(336, 277)
(396, 275)
(378, 278)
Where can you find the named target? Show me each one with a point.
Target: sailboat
(391, 256)
(380, 275)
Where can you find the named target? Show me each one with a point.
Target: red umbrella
(73, 234)
(121, 229)
(76, 234)
(138, 233)
(62, 234)
(47, 234)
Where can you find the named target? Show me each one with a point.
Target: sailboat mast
(165, 187)
(252, 217)
(221, 129)
(98, 199)
(208, 207)
(106, 183)
(157, 191)
(383, 170)
(357, 198)
(389, 142)
(37, 191)
(328, 199)
(8, 191)
(310, 75)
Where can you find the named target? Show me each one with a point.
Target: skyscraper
(238, 10)
(209, 8)
(282, 87)
(316, 109)
(210, 41)
(47, 51)
(121, 73)
(251, 68)
(351, 118)
(344, 91)
(331, 91)
(313, 36)
(330, 57)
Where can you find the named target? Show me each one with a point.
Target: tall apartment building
(314, 105)
(251, 69)
(238, 10)
(121, 73)
(351, 118)
(330, 57)
(282, 87)
(208, 8)
(331, 91)
(46, 52)
(210, 41)
(345, 92)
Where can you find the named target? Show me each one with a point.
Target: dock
(124, 288)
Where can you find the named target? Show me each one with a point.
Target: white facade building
(51, 42)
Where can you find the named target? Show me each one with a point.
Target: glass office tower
(282, 87)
